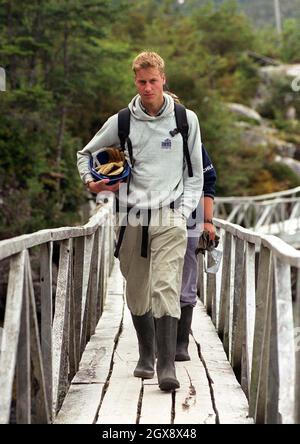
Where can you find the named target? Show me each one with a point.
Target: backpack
(182, 128)
(123, 133)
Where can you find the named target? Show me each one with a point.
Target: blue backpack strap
(183, 128)
(124, 130)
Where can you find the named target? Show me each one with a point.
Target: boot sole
(144, 375)
(181, 358)
(169, 384)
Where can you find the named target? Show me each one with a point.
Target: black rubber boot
(144, 326)
(166, 330)
(183, 332)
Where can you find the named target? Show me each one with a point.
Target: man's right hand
(101, 185)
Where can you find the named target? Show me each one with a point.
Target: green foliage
(290, 46)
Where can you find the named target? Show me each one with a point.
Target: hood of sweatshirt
(139, 114)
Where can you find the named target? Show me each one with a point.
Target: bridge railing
(55, 294)
(260, 211)
(254, 302)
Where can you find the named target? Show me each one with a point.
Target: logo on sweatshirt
(166, 144)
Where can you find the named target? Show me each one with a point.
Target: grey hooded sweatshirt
(160, 173)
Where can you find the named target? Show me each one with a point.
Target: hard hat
(109, 163)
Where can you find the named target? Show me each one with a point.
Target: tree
(52, 52)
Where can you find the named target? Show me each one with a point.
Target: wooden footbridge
(68, 348)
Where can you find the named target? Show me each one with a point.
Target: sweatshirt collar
(140, 113)
(159, 112)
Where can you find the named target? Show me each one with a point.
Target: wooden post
(23, 396)
(285, 337)
(61, 327)
(223, 327)
(41, 411)
(46, 317)
(262, 389)
(263, 282)
(10, 337)
(249, 306)
(238, 280)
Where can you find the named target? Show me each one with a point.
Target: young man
(188, 296)
(160, 188)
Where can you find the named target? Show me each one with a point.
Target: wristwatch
(208, 221)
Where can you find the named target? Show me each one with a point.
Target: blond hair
(148, 59)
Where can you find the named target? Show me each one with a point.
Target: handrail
(254, 303)
(258, 197)
(41, 345)
(14, 245)
(261, 212)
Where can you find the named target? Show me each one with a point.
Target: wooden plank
(23, 396)
(41, 412)
(72, 348)
(238, 274)
(120, 403)
(46, 317)
(250, 306)
(286, 253)
(87, 254)
(95, 364)
(239, 231)
(286, 346)
(94, 283)
(100, 289)
(238, 347)
(231, 403)
(78, 283)
(261, 397)
(84, 396)
(61, 327)
(11, 333)
(263, 282)
(223, 324)
(271, 414)
(156, 405)
(81, 404)
(193, 403)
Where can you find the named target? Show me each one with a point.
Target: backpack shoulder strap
(124, 130)
(123, 126)
(183, 128)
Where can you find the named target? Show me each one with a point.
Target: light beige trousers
(154, 283)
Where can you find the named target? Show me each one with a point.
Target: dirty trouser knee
(188, 294)
(135, 270)
(168, 245)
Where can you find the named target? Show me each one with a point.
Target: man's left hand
(211, 229)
